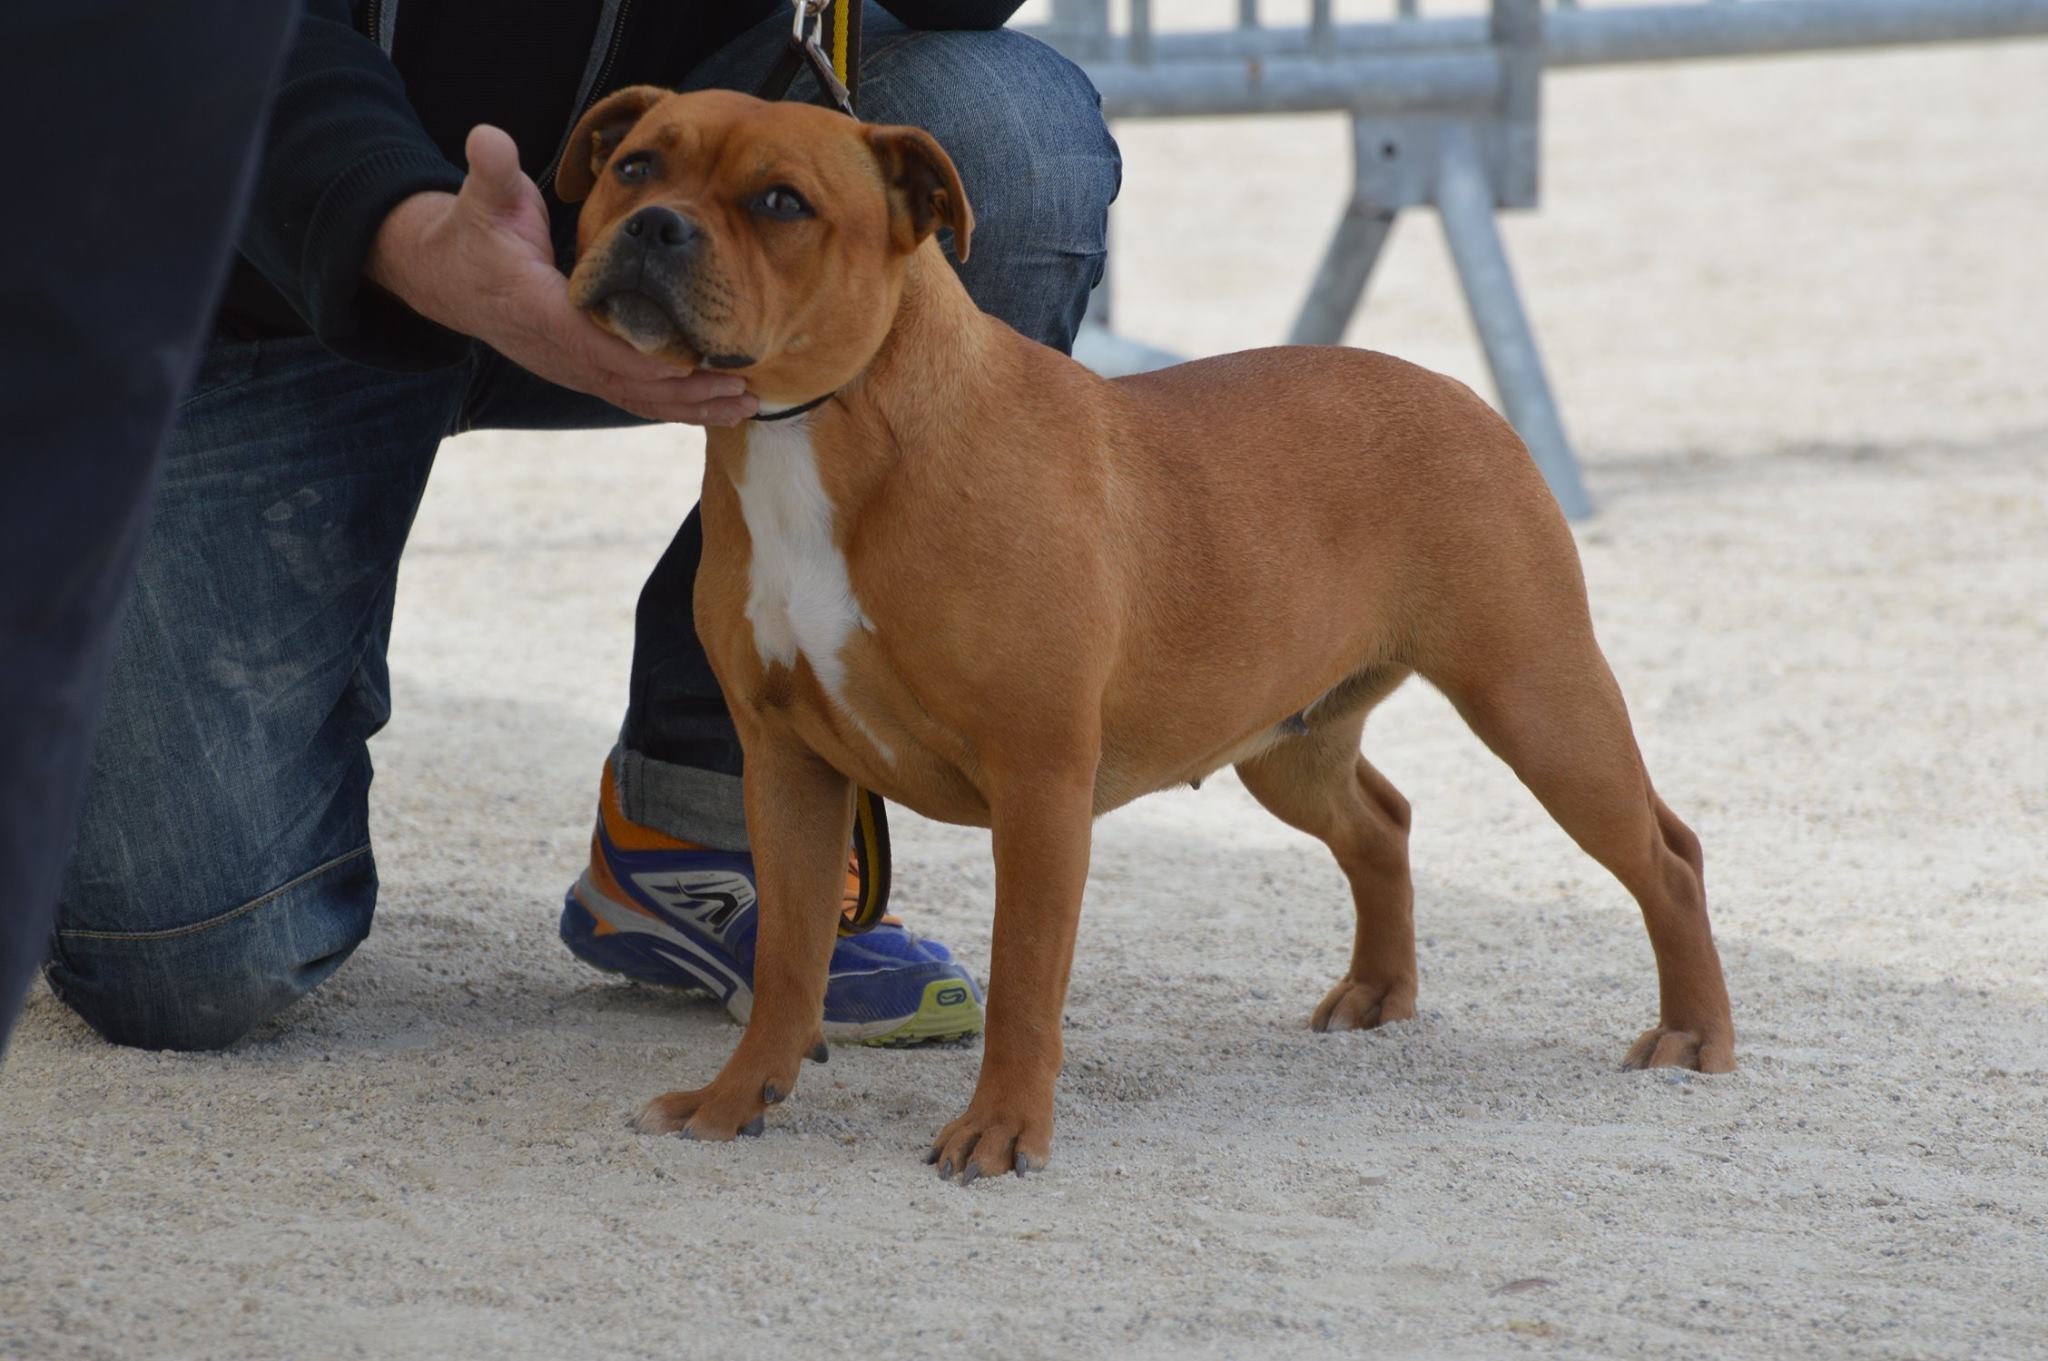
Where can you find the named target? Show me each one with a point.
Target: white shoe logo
(712, 897)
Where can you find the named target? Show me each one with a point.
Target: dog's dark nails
(752, 1129)
(771, 1094)
(819, 1053)
(684, 1134)
(931, 1155)
(973, 1172)
(946, 1170)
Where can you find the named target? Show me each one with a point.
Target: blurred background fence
(1445, 113)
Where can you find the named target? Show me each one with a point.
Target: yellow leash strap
(842, 27)
(871, 859)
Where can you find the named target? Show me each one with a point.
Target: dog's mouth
(642, 322)
(651, 326)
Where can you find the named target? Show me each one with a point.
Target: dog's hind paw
(1353, 1005)
(1670, 1047)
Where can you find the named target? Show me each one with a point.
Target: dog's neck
(934, 360)
(933, 364)
(926, 379)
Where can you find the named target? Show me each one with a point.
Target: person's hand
(480, 262)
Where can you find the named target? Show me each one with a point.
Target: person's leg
(136, 124)
(223, 867)
(691, 743)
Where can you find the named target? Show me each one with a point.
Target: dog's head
(767, 239)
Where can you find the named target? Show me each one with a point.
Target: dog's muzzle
(650, 290)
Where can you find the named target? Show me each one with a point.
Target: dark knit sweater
(354, 131)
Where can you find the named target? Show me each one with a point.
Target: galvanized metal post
(1605, 35)
(1080, 28)
(1465, 201)
(1362, 229)
(1322, 28)
(1515, 30)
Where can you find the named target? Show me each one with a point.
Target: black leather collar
(787, 412)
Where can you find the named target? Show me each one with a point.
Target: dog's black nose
(661, 229)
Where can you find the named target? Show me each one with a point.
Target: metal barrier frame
(1446, 113)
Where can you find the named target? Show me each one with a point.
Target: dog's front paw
(995, 1135)
(733, 1105)
(1353, 1005)
(1671, 1047)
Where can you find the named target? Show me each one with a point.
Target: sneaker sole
(947, 1014)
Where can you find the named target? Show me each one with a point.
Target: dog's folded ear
(924, 188)
(597, 135)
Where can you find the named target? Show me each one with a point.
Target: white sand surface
(1797, 314)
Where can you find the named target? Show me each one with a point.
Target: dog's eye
(634, 169)
(782, 203)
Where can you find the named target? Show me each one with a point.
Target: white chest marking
(800, 598)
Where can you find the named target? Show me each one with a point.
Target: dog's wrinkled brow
(673, 137)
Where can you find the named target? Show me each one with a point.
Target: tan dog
(1001, 591)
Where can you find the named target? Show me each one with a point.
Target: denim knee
(1058, 142)
(1024, 127)
(207, 985)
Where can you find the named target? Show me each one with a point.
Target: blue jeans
(223, 866)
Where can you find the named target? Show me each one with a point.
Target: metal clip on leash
(814, 26)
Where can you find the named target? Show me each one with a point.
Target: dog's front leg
(799, 821)
(1041, 826)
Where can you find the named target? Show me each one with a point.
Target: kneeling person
(383, 301)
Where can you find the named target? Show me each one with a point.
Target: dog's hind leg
(1556, 716)
(1319, 784)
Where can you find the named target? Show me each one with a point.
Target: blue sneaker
(667, 912)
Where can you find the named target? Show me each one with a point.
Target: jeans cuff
(703, 806)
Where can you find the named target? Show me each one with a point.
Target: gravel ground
(1797, 327)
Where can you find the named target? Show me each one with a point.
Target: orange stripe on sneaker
(627, 835)
(604, 881)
